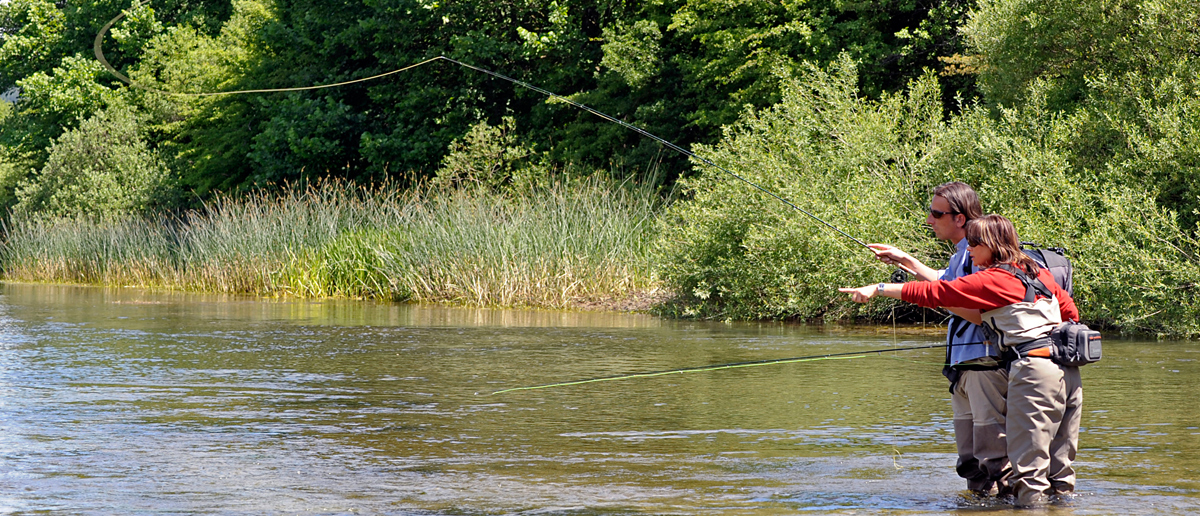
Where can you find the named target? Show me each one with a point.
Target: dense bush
(734, 252)
(103, 169)
(867, 167)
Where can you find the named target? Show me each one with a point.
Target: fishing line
(716, 367)
(97, 48)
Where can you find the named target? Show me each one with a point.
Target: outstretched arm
(893, 290)
(865, 293)
(893, 256)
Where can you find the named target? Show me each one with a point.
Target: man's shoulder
(957, 266)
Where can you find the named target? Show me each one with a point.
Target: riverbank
(584, 244)
(571, 245)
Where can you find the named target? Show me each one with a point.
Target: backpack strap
(1033, 285)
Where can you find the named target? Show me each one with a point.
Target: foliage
(684, 69)
(10, 168)
(1070, 43)
(103, 169)
(37, 35)
(1019, 41)
(45, 48)
(1127, 68)
(735, 47)
(491, 157)
(52, 103)
(32, 31)
(868, 166)
(733, 252)
(210, 139)
(679, 68)
(633, 51)
(10, 175)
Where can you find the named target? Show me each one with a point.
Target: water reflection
(118, 401)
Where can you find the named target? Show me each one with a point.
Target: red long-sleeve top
(985, 290)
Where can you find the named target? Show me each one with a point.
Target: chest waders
(1071, 343)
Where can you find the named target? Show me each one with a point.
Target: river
(122, 401)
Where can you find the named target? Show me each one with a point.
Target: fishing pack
(1075, 344)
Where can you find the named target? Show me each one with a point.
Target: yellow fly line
(717, 367)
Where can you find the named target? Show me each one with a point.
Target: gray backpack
(1055, 260)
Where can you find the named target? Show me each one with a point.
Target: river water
(117, 401)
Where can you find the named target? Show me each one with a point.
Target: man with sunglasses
(978, 384)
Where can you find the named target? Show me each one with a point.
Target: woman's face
(981, 255)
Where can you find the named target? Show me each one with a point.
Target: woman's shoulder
(1003, 277)
(992, 277)
(1002, 270)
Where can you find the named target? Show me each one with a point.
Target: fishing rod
(715, 367)
(98, 50)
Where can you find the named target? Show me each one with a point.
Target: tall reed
(556, 246)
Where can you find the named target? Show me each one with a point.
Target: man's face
(946, 226)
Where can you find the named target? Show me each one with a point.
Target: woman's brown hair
(998, 234)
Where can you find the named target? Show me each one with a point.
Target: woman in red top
(1044, 397)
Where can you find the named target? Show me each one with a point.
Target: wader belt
(978, 367)
(1024, 348)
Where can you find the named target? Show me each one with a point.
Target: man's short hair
(962, 198)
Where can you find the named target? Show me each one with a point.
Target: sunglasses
(937, 214)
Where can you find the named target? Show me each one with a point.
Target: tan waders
(979, 427)
(1044, 401)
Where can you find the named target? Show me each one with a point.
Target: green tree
(680, 69)
(103, 169)
(685, 69)
(1127, 68)
(46, 50)
(32, 33)
(53, 102)
(1019, 41)
(208, 138)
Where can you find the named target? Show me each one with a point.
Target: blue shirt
(965, 344)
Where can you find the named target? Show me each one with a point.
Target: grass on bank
(558, 246)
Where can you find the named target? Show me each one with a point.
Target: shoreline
(637, 303)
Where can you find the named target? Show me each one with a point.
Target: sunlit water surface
(126, 402)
